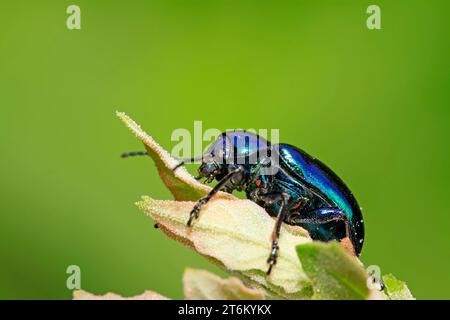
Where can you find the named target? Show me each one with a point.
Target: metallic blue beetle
(286, 181)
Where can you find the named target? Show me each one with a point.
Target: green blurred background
(373, 105)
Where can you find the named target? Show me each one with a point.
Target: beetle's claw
(189, 223)
(191, 218)
(193, 215)
(271, 261)
(269, 270)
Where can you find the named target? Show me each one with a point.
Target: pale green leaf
(147, 295)
(236, 234)
(335, 274)
(396, 289)
(203, 285)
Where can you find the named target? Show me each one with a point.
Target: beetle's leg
(196, 210)
(282, 213)
(296, 209)
(134, 154)
(325, 215)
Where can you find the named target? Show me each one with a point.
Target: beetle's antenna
(134, 154)
(189, 160)
(183, 161)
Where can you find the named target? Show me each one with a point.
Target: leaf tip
(396, 289)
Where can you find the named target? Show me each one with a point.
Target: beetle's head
(229, 150)
(209, 168)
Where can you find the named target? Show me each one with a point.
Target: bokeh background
(373, 105)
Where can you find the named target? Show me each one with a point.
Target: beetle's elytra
(287, 182)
